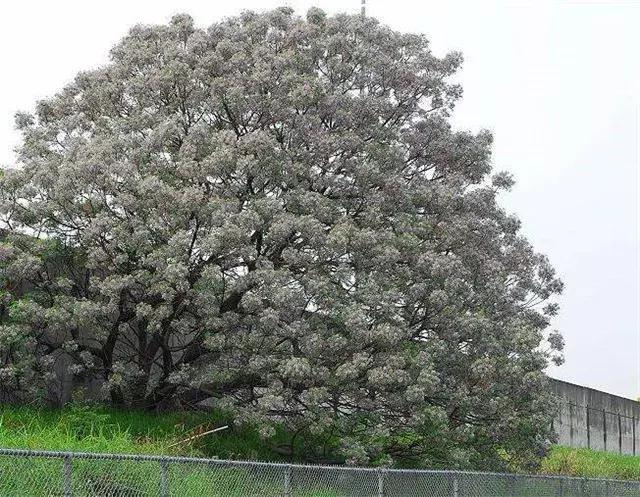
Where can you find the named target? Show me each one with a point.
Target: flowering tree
(274, 214)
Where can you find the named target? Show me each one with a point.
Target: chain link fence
(65, 474)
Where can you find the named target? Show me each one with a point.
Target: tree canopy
(275, 215)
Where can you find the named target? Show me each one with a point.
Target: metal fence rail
(26, 473)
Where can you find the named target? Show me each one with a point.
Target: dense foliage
(275, 215)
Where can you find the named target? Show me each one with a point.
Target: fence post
(287, 480)
(164, 478)
(455, 486)
(561, 487)
(512, 483)
(67, 479)
(380, 473)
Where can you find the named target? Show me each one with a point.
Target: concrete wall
(598, 420)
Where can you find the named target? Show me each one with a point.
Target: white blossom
(275, 213)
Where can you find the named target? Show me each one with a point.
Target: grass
(95, 430)
(84, 428)
(591, 463)
(100, 429)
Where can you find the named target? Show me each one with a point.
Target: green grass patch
(93, 428)
(591, 463)
(97, 429)
(102, 429)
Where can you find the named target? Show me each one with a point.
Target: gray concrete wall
(597, 420)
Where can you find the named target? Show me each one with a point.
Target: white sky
(557, 82)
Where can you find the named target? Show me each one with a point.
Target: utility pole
(363, 8)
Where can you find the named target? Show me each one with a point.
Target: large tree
(275, 214)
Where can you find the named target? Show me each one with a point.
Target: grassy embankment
(592, 464)
(94, 429)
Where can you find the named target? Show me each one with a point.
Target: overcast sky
(557, 82)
